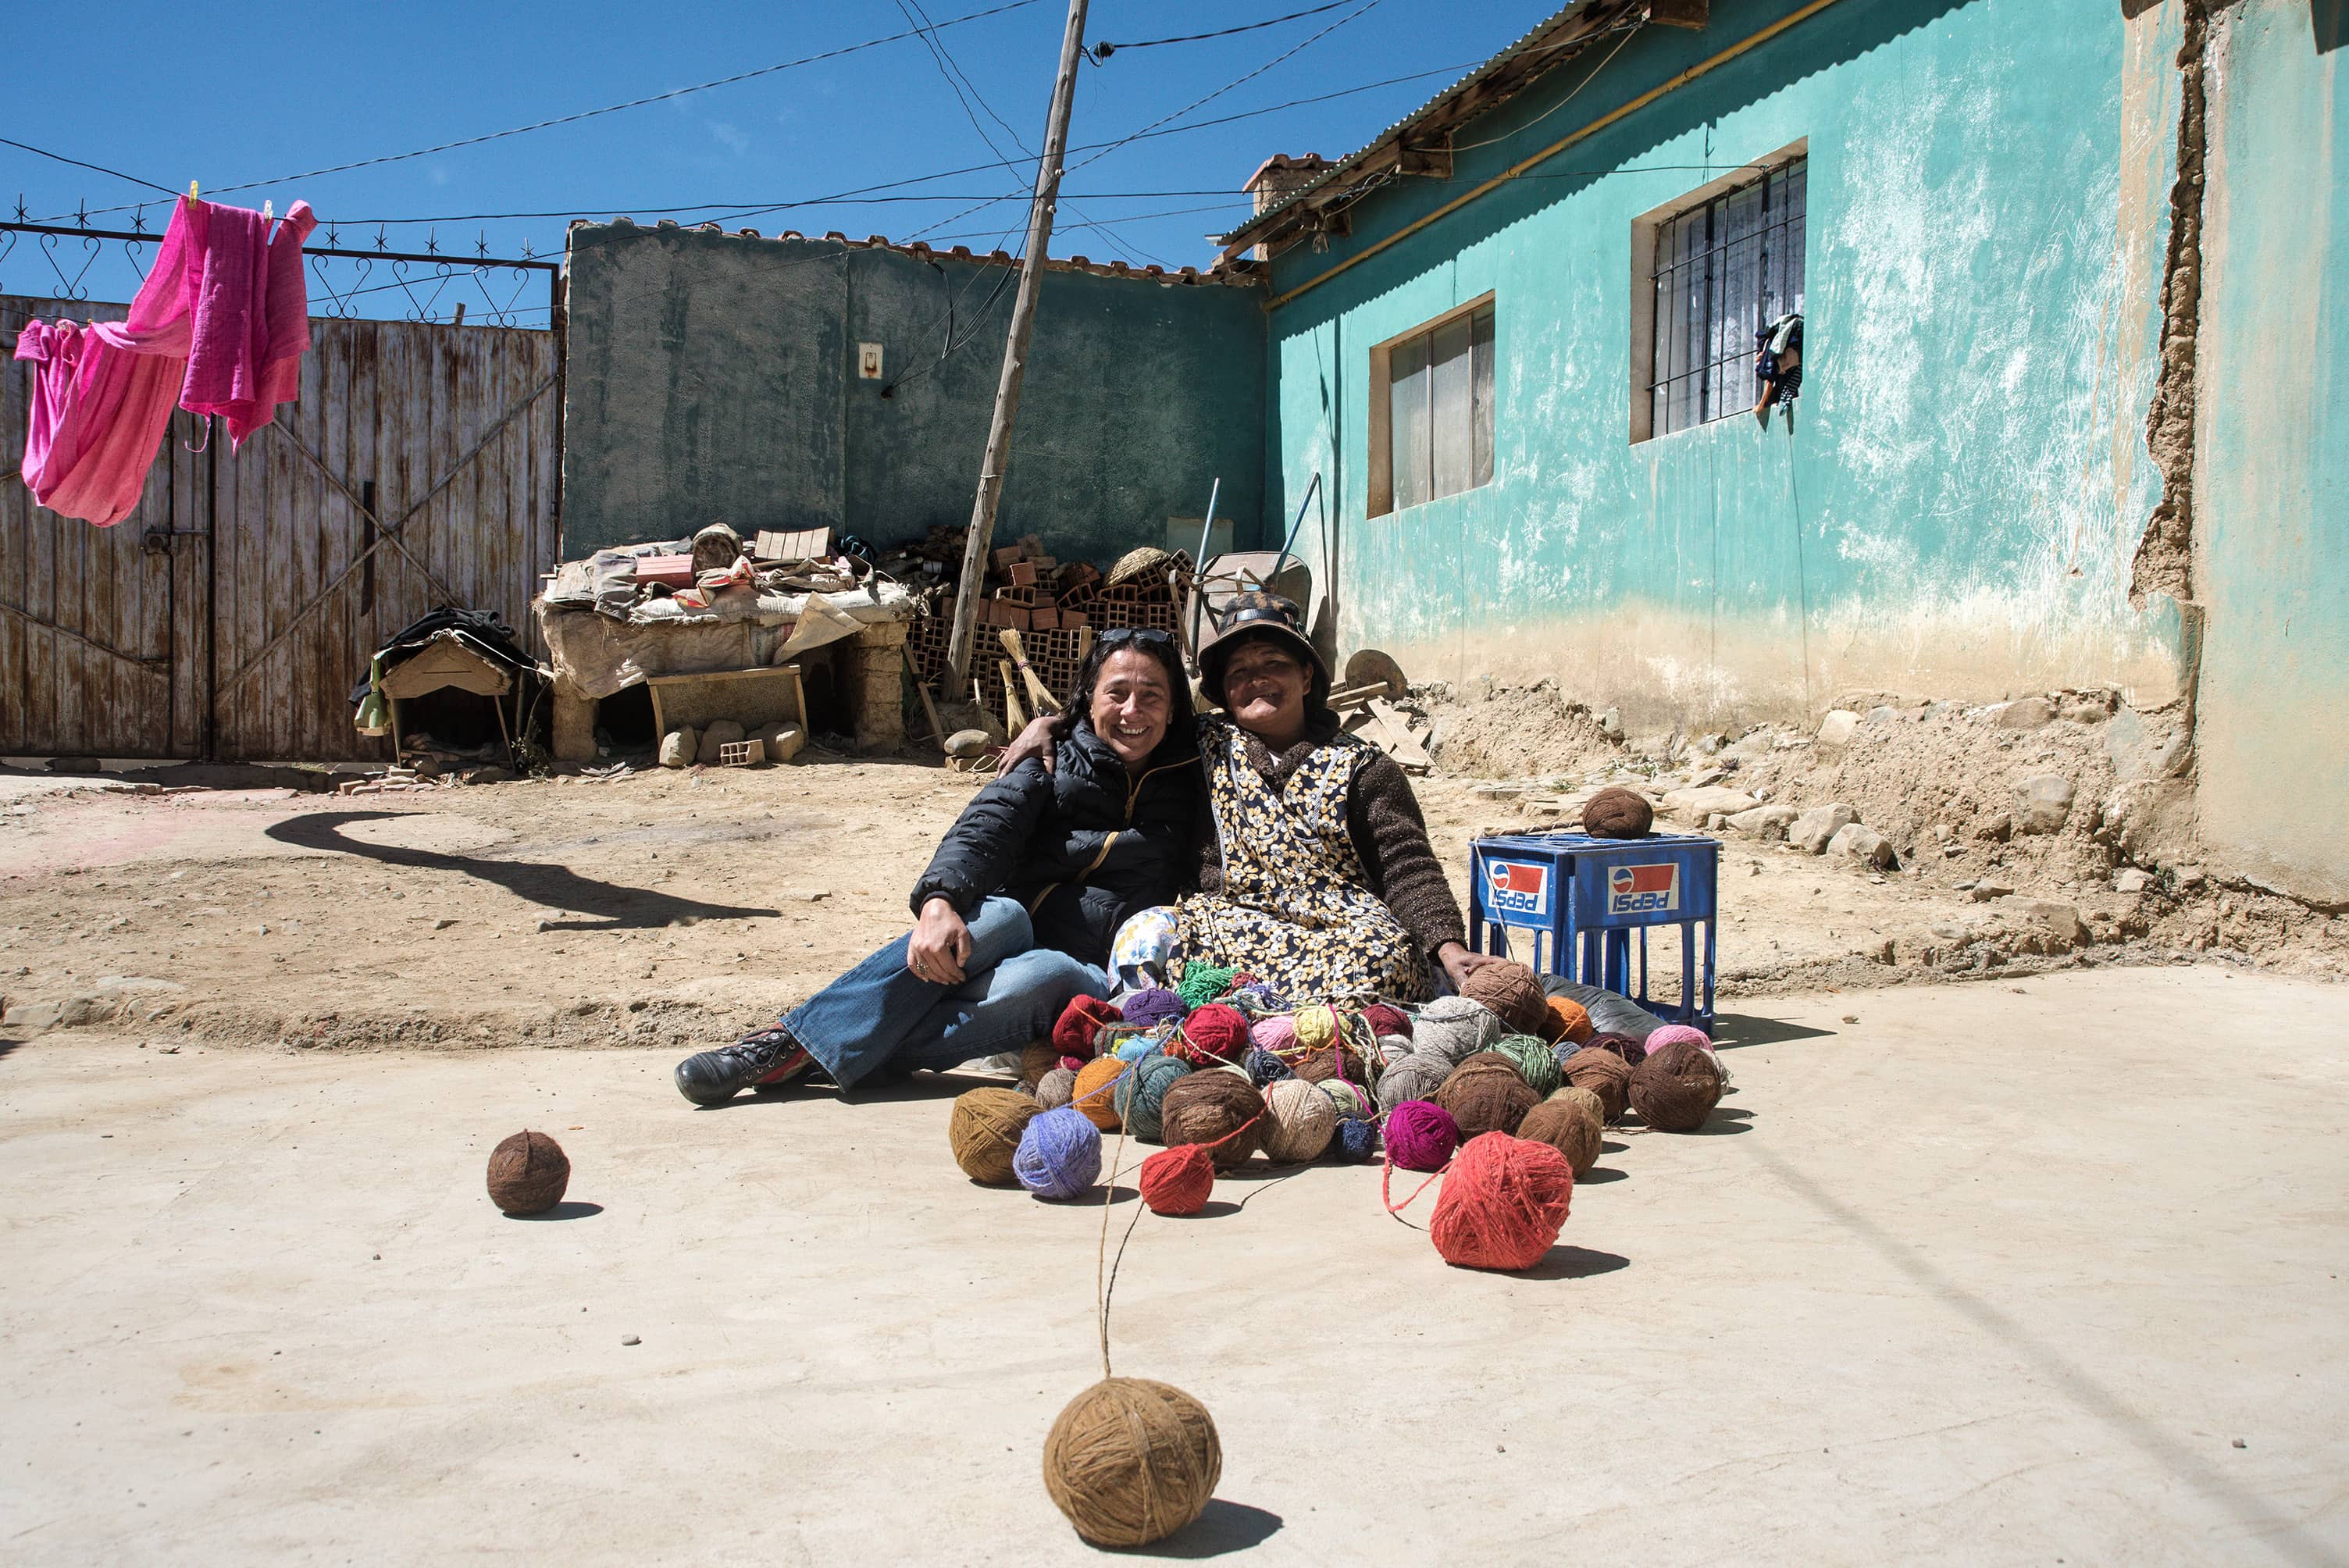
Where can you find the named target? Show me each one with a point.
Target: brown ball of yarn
(1318, 1067)
(1618, 813)
(1605, 1075)
(1208, 1106)
(1585, 1098)
(529, 1173)
(1056, 1088)
(1484, 1098)
(1513, 991)
(1676, 1089)
(1488, 1060)
(1037, 1059)
(983, 1132)
(1132, 1460)
(1091, 1092)
(1568, 1125)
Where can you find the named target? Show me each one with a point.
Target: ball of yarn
(1415, 1076)
(1533, 1061)
(1676, 1088)
(1059, 1155)
(1356, 1141)
(1351, 1099)
(1300, 1120)
(1676, 1035)
(1138, 1094)
(1212, 1032)
(1056, 1088)
(529, 1173)
(1567, 1125)
(1091, 1094)
(1421, 1135)
(1393, 1048)
(1316, 1026)
(1153, 1006)
(1131, 1461)
(1210, 1106)
(1453, 1026)
(1488, 1057)
(1385, 1019)
(984, 1131)
(1276, 1033)
(1177, 1181)
(1331, 1062)
(1585, 1098)
(1604, 1074)
(1037, 1059)
(1569, 1021)
(1513, 991)
(1487, 1097)
(1081, 1021)
(1618, 813)
(1264, 1068)
(1202, 984)
(1502, 1204)
(1624, 1045)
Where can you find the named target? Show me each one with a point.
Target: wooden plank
(191, 607)
(338, 529)
(16, 528)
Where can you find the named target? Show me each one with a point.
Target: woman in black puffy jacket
(1017, 909)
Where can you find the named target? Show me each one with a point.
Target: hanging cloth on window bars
(219, 326)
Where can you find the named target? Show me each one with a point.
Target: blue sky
(231, 95)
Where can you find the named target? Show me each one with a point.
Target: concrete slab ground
(1992, 1275)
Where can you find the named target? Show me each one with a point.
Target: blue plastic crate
(1581, 899)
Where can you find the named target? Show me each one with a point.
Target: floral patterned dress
(1296, 911)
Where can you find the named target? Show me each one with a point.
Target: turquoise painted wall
(1955, 505)
(712, 377)
(2271, 471)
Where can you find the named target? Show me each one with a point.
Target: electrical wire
(1630, 33)
(1104, 51)
(77, 163)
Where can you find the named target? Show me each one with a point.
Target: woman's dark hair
(1317, 685)
(1180, 722)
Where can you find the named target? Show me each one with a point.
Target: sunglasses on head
(1150, 634)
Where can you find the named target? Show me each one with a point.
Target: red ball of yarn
(1384, 1020)
(1177, 1180)
(1081, 1020)
(1212, 1032)
(1502, 1204)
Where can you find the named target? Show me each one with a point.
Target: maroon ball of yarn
(1384, 1020)
(1618, 813)
(528, 1173)
(1676, 1089)
(1483, 1097)
(1604, 1074)
(1081, 1020)
(1208, 1107)
(1627, 1046)
(1421, 1135)
(1212, 1033)
(1178, 1181)
(1513, 991)
(1502, 1204)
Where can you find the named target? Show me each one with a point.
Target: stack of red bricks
(1030, 591)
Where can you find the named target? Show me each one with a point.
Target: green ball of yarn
(1533, 1058)
(1142, 1091)
(1202, 984)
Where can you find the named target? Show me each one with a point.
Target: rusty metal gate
(229, 617)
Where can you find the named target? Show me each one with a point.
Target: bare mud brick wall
(715, 377)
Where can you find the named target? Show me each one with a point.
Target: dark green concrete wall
(712, 377)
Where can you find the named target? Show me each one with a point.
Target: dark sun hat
(1255, 616)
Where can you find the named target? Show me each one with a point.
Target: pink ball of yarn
(1276, 1033)
(1677, 1035)
(1421, 1135)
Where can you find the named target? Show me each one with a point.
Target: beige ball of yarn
(1416, 1077)
(1056, 1088)
(1584, 1098)
(983, 1132)
(1299, 1121)
(1132, 1460)
(1568, 1125)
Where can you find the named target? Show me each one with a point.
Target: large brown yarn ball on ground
(1618, 813)
(1132, 1460)
(983, 1132)
(1514, 992)
(1605, 1075)
(1676, 1089)
(1567, 1125)
(1209, 1105)
(1487, 1097)
(529, 1173)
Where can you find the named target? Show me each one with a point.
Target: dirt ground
(1942, 1283)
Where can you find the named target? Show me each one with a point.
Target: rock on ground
(1810, 832)
(2041, 802)
(1863, 844)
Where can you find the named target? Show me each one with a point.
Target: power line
(1104, 51)
(77, 163)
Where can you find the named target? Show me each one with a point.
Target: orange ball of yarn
(1513, 991)
(1502, 1204)
(1092, 1095)
(1177, 1180)
(1568, 1020)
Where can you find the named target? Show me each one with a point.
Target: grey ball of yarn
(1393, 1048)
(1055, 1088)
(1416, 1077)
(1456, 1028)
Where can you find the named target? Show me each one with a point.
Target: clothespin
(268, 210)
(192, 190)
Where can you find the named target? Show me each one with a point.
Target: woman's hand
(1459, 963)
(940, 944)
(1037, 740)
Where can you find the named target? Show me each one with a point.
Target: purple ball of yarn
(1059, 1154)
(1357, 1140)
(1421, 1135)
(1677, 1035)
(1278, 1033)
(1155, 1005)
(1264, 1068)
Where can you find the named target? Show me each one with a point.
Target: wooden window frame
(1382, 401)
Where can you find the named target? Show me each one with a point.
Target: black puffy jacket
(1083, 847)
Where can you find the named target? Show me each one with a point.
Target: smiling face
(1131, 704)
(1263, 690)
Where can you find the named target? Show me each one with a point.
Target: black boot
(771, 1056)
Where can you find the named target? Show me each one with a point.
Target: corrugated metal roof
(1220, 272)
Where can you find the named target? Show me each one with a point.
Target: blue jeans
(882, 1014)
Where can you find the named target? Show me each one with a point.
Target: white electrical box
(868, 361)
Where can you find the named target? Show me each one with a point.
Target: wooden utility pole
(1015, 355)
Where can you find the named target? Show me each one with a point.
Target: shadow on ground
(1734, 1031)
(1221, 1527)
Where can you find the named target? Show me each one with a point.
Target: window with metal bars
(1439, 423)
(1723, 269)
